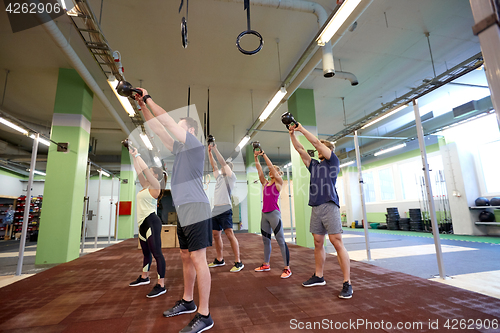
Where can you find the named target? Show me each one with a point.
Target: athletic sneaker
(140, 281)
(180, 307)
(286, 273)
(314, 281)
(346, 291)
(217, 263)
(198, 324)
(157, 291)
(263, 268)
(238, 266)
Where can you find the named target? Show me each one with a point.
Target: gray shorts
(325, 219)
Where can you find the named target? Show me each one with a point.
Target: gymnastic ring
(251, 32)
(184, 32)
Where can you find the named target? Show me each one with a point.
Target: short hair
(191, 123)
(329, 144)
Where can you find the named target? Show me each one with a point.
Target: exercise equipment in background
(184, 28)
(249, 31)
(482, 201)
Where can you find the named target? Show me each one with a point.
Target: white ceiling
(388, 53)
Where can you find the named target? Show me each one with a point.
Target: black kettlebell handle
(287, 119)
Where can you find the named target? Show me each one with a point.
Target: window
(411, 180)
(386, 184)
(369, 186)
(490, 164)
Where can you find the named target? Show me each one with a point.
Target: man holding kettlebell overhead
(323, 199)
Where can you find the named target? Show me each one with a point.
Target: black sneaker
(346, 291)
(180, 307)
(314, 281)
(157, 291)
(198, 324)
(140, 281)
(238, 266)
(217, 263)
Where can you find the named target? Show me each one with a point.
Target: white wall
(11, 186)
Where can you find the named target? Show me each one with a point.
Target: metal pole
(117, 219)
(98, 206)
(362, 194)
(290, 199)
(110, 210)
(430, 200)
(27, 206)
(85, 207)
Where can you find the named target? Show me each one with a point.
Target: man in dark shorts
(323, 198)
(193, 209)
(222, 214)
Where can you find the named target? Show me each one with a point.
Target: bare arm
(163, 117)
(212, 162)
(299, 147)
(156, 127)
(321, 148)
(222, 162)
(262, 179)
(142, 170)
(277, 177)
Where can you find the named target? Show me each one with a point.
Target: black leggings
(150, 240)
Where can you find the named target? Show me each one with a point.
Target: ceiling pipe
(340, 75)
(51, 28)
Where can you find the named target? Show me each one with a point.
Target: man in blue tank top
(193, 208)
(323, 198)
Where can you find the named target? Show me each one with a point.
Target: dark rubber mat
(91, 294)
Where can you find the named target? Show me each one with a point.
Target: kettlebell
(256, 145)
(287, 119)
(210, 139)
(127, 143)
(125, 89)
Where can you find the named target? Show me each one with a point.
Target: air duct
(339, 75)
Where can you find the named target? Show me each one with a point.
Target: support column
(127, 193)
(61, 217)
(254, 204)
(301, 105)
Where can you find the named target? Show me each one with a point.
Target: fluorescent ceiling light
(287, 165)
(389, 149)
(63, 4)
(386, 115)
(272, 104)
(13, 126)
(346, 164)
(146, 141)
(38, 172)
(41, 140)
(113, 82)
(157, 161)
(104, 173)
(337, 20)
(243, 142)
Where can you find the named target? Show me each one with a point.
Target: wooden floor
(91, 294)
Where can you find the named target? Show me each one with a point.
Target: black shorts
(222, 221)
(198, 235)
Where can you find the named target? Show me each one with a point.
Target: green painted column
(254, 204)
(127, 193)
(61, 217)
(301, 105)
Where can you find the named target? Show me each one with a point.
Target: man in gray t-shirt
(222, 214)
(192, 205)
